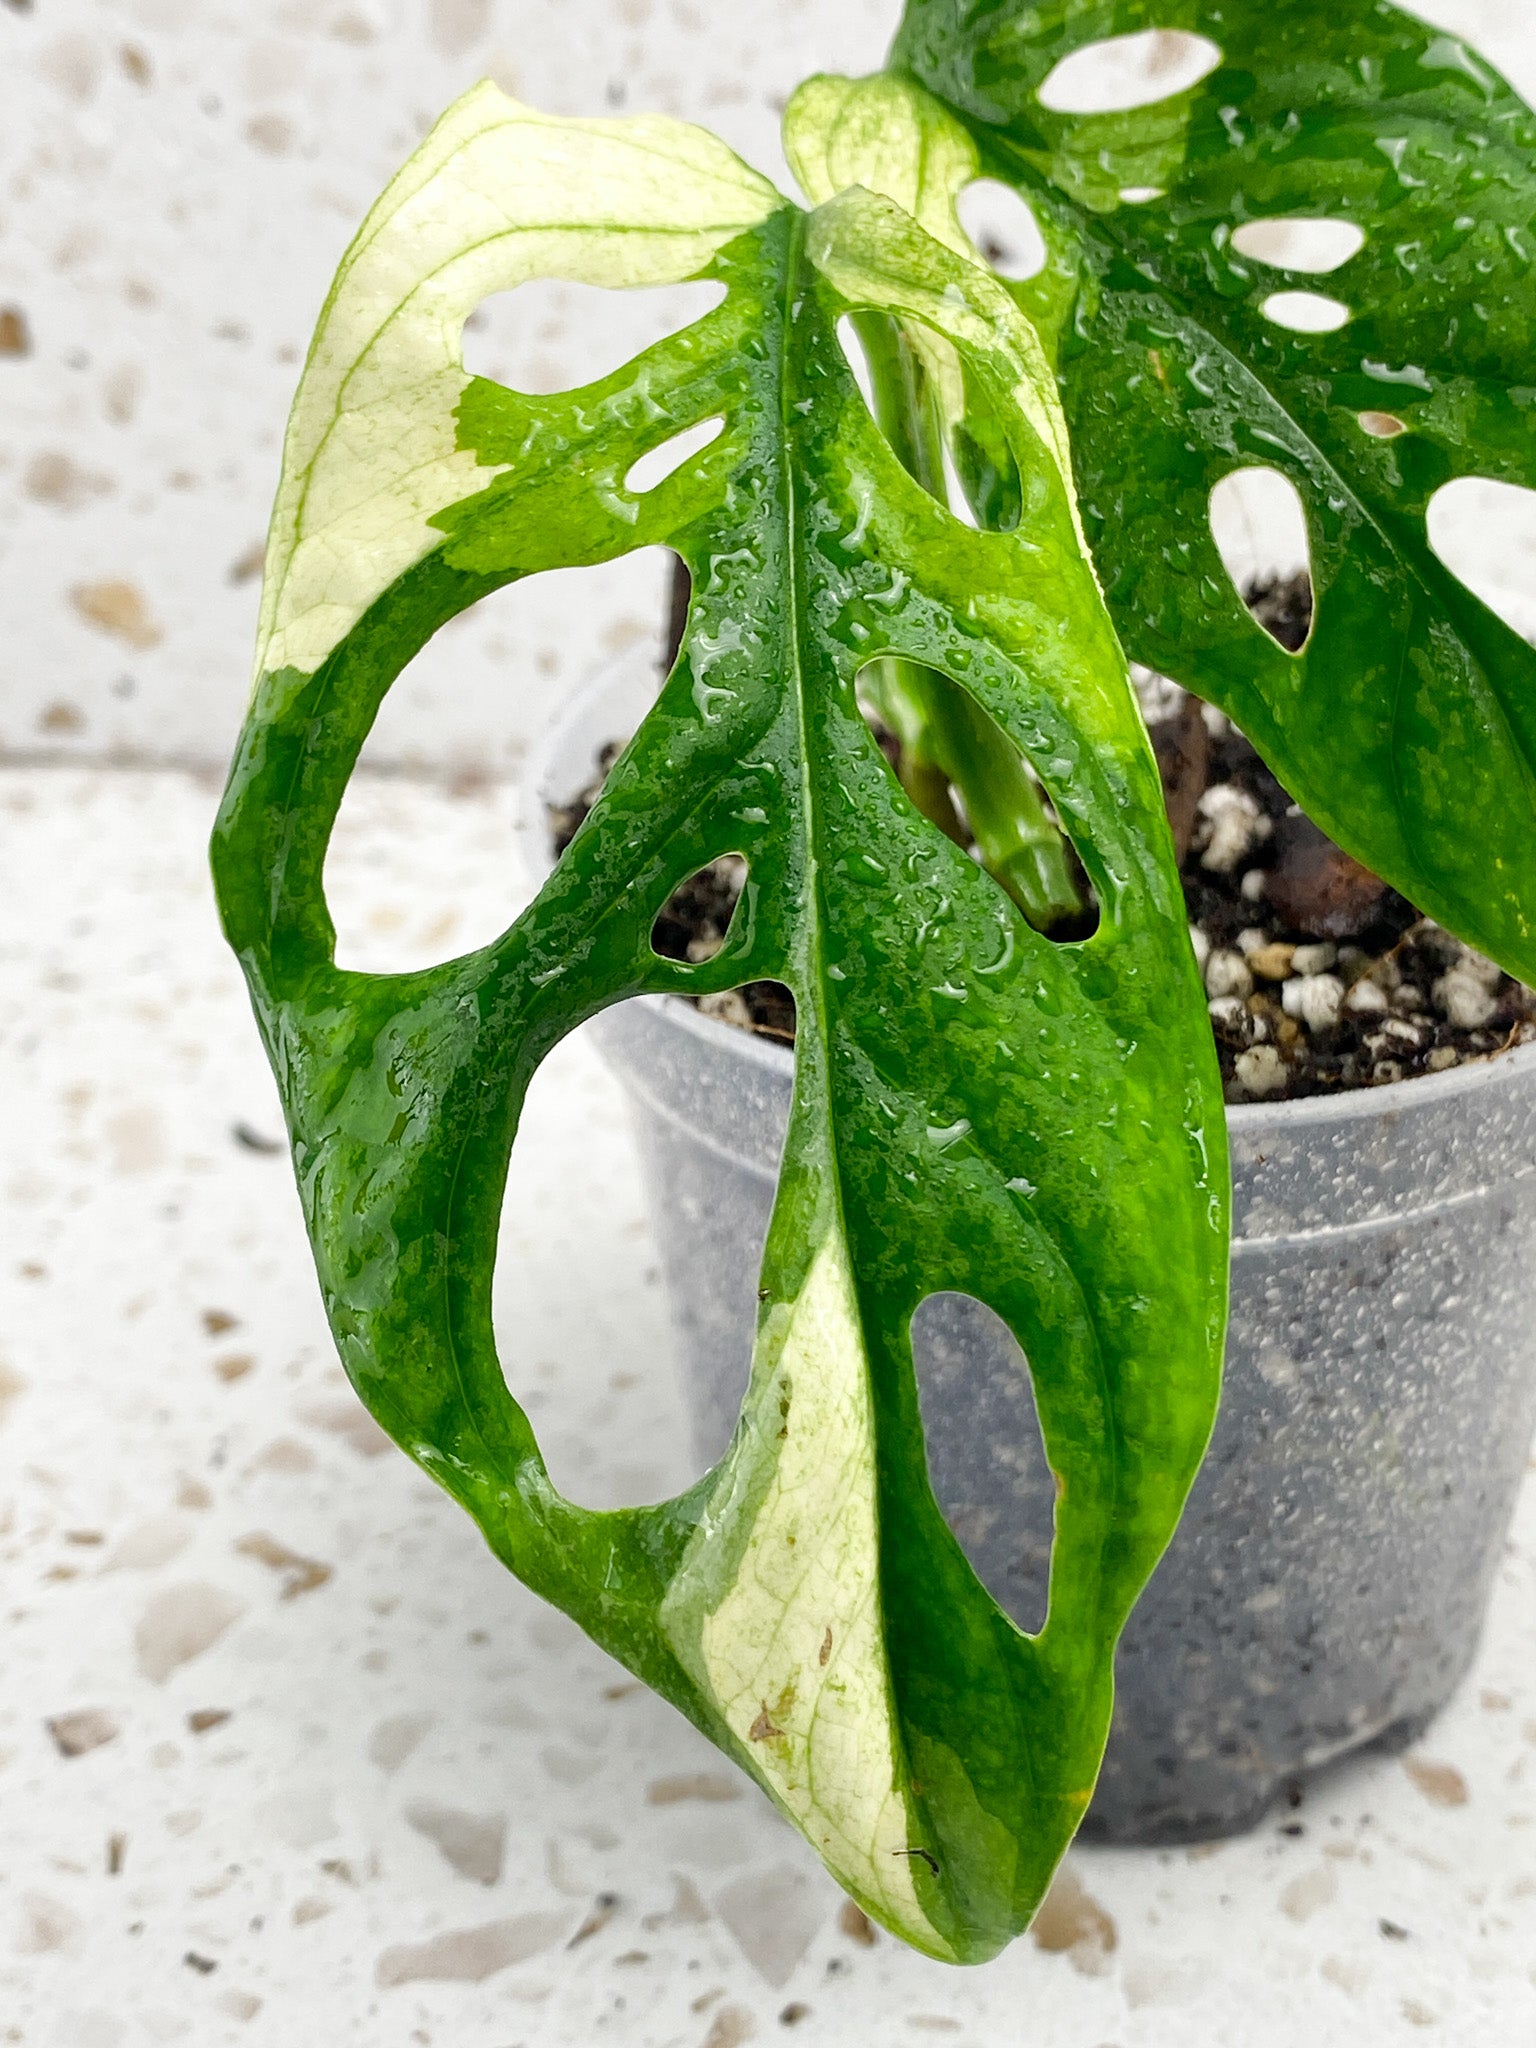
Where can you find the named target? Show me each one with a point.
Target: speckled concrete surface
(285, 1758)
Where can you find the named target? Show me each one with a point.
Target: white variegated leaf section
(888, 136)
(873, 256)
(791, 1648)
(496, 195)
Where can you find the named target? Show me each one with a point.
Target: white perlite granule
(1464, 998)
(1234, 825)
(1226, 974)
(1366, 999)
(1261, 1070)
(1316, 999)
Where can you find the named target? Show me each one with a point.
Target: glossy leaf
(975, 1107)
(1407, 725)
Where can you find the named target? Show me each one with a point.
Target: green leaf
(1407, 725)
(975, 1108)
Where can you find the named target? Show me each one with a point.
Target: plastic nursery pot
(1327, 1585)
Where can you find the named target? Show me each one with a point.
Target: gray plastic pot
(1327, 1584)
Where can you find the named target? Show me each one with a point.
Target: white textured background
(285, 1760)
(179, 178)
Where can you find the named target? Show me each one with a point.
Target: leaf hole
(657, 464)
(966, 464)
(986, 1455)
(1121, 72)
(1305, 312)
(422, 863)
(966, 776)
(1484, 531)
(579, 1307)
(695, 921)
(695, 1246)
(1259, 526)
(857, 358)
(1004, 229)
(1293, 242)
(1382, 426)
(555, 334)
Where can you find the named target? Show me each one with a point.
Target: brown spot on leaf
(826, 1648)
(1441, 1784)
(217, 1320)
(120, 609)
(135, 64)
(201, 1719)
(303, 1574)
(61, 716)
(710, 1786)
(763, 1729)
(1071, 1922)
(234, 1366)
(87, 1728)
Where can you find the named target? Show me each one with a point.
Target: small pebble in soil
(1227, 974)
(1261, 1070)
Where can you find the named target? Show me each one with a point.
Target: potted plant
(1005, 1084)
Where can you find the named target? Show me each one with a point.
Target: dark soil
(1319, 976)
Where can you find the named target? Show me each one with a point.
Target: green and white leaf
(976, 1108)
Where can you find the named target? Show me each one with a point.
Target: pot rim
(1349, 1105)
(1422, 1091)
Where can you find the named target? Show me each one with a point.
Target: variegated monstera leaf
(976, 1107)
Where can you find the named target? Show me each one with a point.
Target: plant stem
(948, 742)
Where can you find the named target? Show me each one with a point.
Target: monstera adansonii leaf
(1407, 725)
(975, 1108)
